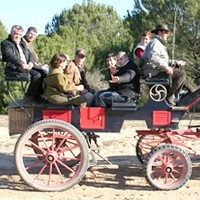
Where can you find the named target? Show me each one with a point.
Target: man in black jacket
(124, 83)
(19, 59)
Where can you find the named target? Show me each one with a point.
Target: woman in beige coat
(59, 90)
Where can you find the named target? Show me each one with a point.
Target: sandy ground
(122, 180)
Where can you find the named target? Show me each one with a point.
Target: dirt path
(123, 180)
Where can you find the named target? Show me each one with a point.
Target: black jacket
(11, 54)
(129, 80)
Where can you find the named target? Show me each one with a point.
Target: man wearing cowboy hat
(155, 62)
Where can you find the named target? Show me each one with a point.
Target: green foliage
(3, 32)
(148, 13)
(46, 47)
(3, 101)
(95, 27)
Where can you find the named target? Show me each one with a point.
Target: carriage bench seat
(17, 76)
(128, 105)
(124, 106)
(156, 80)
(50, 106)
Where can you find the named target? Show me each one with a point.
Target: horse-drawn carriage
(53, 153)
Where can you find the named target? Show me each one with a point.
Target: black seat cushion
(50, 106)
(17, 76)
(157, 80)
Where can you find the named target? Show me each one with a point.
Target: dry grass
(97, 80)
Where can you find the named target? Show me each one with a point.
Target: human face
(111, 62)
(145, 40)
(79, 59)
(164, 34)
(31, 36)
(121, 59)
(63, 64)
(16, 35)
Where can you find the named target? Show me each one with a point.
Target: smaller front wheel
(168, 167)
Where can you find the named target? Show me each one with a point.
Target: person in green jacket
(59, 90)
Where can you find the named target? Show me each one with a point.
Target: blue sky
(39, 12)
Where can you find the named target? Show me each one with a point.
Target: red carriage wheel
(51, 155)
(168, 167)
(146, 143)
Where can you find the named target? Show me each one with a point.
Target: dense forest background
(99, 29)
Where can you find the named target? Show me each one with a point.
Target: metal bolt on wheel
(51, 155)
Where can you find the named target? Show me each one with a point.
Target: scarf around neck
(164, 42)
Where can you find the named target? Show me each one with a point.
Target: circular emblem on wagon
(158, 92)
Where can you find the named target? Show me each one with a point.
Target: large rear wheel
(51, 155)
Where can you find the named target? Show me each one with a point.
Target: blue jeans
(104, 98)
(89, 98)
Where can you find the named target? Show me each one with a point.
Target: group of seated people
(66, 82)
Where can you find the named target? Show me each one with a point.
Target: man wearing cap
(79, 60)
(76, 73)
(155, 62)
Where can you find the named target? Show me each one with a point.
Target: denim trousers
(105, 98)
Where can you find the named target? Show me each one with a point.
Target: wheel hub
(51, 156)
(167, 168)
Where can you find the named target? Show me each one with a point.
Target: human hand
(25, 66)
(73, 93)
(115, 79)
(113, 69)
(30, 64)
(180, 62)
(80, 87)
(45, 67)
(169, 70)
